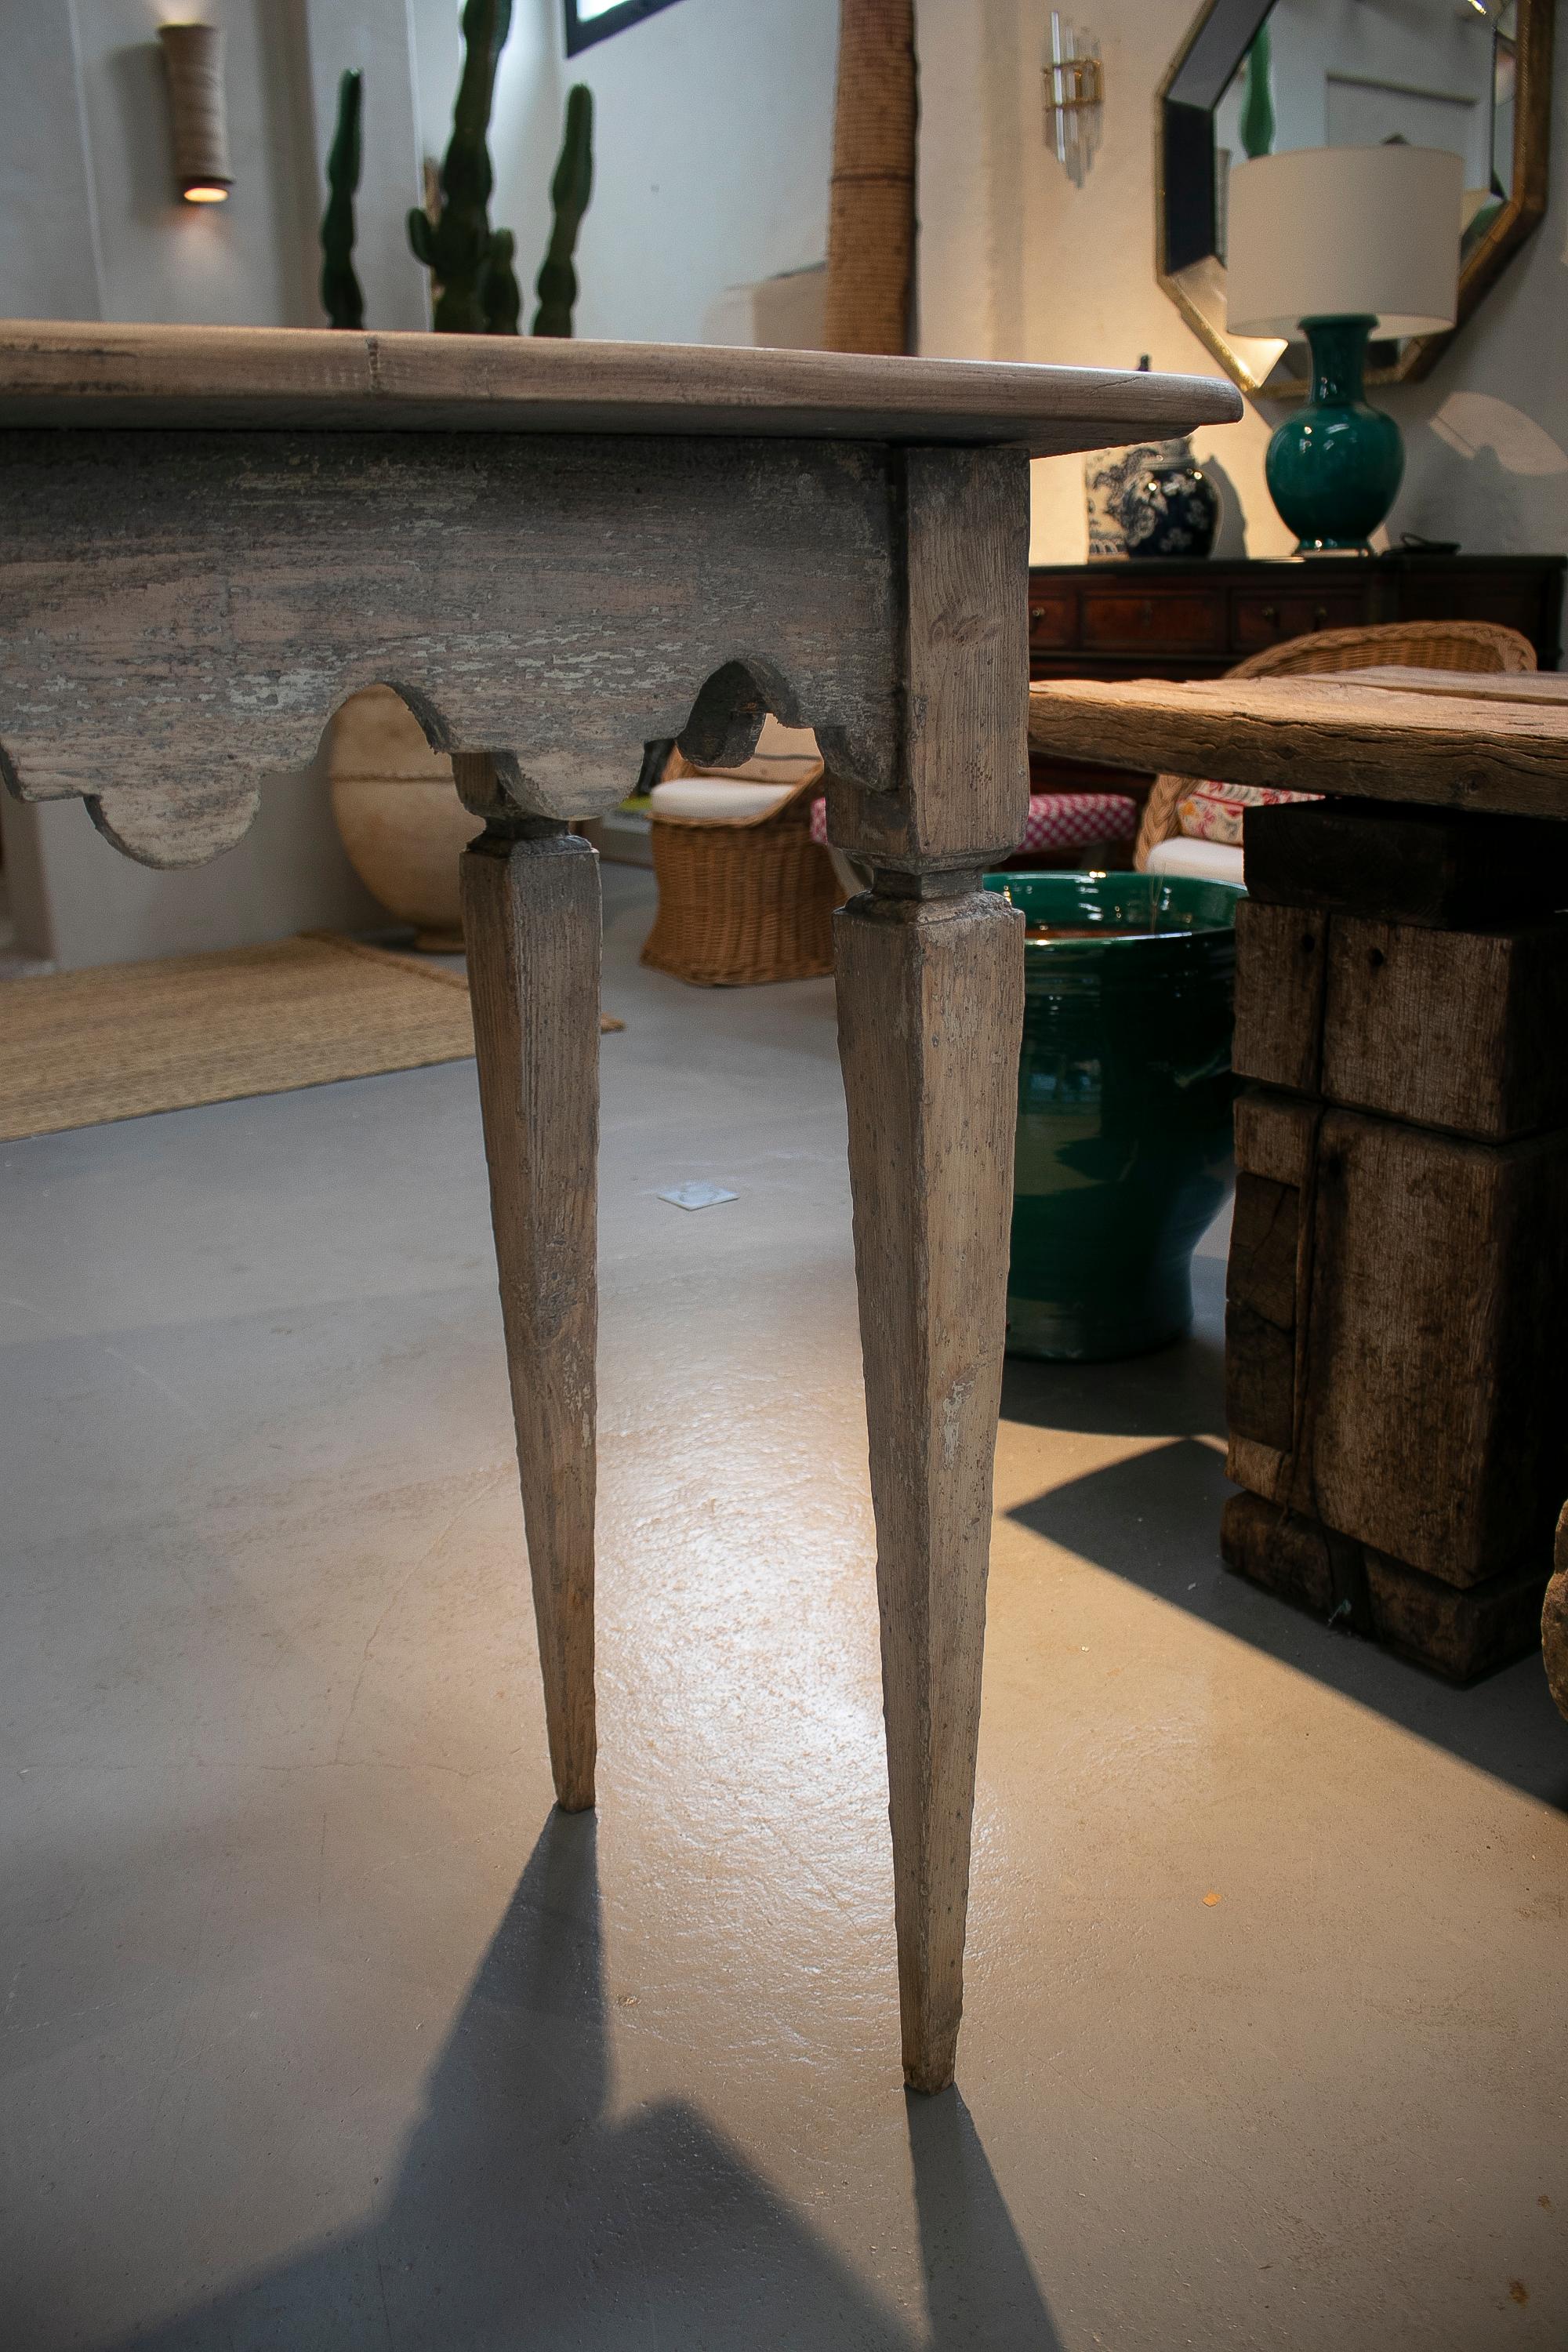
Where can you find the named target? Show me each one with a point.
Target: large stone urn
(399, 814)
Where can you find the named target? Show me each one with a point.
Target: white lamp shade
(1344, 232)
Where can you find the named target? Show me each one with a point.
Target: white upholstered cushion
(1207, 861)
(716, 799)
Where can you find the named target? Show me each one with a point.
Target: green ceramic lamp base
(1335, 467)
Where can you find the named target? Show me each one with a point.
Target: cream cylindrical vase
(399, 814)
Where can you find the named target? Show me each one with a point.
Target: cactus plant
(1256, 124)
(570, 190)
(458, 248)
(343, 296)
(500, 296)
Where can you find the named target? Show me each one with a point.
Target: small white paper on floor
(698, 1196)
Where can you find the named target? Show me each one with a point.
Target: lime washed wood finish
(556, 551)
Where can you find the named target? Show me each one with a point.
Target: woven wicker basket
(1413, 644)
(744, 900)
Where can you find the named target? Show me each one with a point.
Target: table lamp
(1344, 242)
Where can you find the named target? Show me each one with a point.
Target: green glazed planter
(1334, 469)
(1125, 1149)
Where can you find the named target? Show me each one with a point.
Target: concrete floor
(322, 2031)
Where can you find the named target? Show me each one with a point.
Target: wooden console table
(554, 551)
(1396, 1385)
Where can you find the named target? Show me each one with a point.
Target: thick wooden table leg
(1397, 1391)
(531, 918)
(930, 1000)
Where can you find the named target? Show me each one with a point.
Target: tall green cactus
(458, 248)
(1256, 123)
(556, 285)
(499, 293)
(343, 296)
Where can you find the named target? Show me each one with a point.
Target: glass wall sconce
(1075, 90)
(194, 57)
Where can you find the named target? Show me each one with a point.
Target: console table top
(272, 377)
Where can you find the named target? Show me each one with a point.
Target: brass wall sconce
(194, 56)
(1075, 90)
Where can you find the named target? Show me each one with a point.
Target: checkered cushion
(1056, 820)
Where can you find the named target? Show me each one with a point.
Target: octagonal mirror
(1256, 77)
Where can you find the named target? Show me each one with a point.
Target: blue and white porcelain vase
(1108, 476)
(1170, 507)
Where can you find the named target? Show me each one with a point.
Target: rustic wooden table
(1397, 1386)
(554, 551)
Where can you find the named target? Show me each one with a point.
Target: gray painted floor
(322, 2031)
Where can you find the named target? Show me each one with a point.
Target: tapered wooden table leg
(530, 919)
(930, 1004)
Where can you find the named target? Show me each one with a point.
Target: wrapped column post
(871, 220)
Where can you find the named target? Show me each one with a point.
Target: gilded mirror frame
(1216, 44)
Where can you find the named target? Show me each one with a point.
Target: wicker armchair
(746, 898)
(1417, 644)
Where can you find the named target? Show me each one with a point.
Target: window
(594, 20)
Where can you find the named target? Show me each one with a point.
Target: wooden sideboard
(1169, 619)
(1165, 617)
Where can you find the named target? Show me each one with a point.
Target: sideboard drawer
(1052, 620)
(1186, 622)
(1259, 618)
(1517, 605)
(1179, 617)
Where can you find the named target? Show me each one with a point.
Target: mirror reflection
(1256, 79)
(1356, 73)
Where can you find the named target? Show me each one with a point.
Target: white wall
(1015, 263)
(48, 263)
(156, 258)
(376, 37)
(77, 901)
(713, 137)
(91, 227)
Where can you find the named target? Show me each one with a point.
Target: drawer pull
(1320, 616)
(1271, 612)
(1036, 613)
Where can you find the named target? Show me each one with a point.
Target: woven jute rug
(79, 1048)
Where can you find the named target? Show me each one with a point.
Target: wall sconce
(1075, 89)
(194, 56)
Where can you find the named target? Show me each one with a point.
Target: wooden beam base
(1554, 1622)
(1460, 1635)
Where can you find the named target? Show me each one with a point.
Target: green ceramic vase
(1124, 1150)
(1335, 467)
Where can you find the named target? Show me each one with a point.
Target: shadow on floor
(1154, 1520)
(1175, 1392)
(524, 2220)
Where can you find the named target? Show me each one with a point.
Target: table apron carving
(180, 613)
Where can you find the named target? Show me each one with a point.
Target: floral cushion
(1214, 812)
